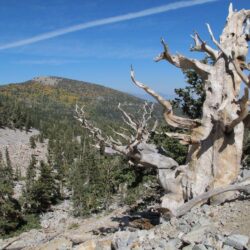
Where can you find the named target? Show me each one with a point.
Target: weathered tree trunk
(215, 160)
(216, 140)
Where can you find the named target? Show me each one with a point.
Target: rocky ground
(18, 144)
(225, 227)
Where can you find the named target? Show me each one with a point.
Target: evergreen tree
(17, 174)
(8, 167)
(1, 158)
(32, 142)
(42, 192)
(10, 209)
(190, 98)
(41, 137)
(28, 192)
(27, 124)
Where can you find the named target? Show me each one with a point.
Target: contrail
(105, 21)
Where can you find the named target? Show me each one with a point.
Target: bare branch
(170, 118)
(243, 186)
(200, 45)
(243, 77)
(113, 141)
(147, 114)
(184, 138)
(80, 116)
(230, 11)
(97, 133)
(155, 126)
(216, 42)
(125, 137)
(242, 113)
(184, 63)
(127, 119)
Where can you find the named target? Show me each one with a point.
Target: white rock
(237, 241)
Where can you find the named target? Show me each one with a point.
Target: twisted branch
(184, 138)
(216, 42)
(184, 63)
(200, 45)
(96, 133)
(171, 119)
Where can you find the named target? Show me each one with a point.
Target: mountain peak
(47, 80)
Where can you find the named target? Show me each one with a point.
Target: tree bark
(215, 161)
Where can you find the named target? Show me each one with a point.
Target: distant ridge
(48, 80)
(51, 96)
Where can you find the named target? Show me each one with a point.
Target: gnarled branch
(230, 11)
(171, 119)
(96, 133)
(184, 138)
(184, 63)
(200, 45)
(127, 119)
(216, 42)
(140, 135)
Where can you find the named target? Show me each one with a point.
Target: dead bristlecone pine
(215, 141)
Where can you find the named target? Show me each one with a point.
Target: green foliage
(32, 142)
(30, 221)
(40, 194)
(43, 192)
(13, 113)
(190, 99)
(9, 169)
(45, 188)
(10, 209)
(28, 197)
(171, 147)
(92, 181)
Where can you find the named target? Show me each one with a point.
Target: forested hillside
(75, 170)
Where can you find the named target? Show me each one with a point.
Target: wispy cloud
(105, 21)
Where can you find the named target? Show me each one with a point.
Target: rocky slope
(18, 144)
(225, 227)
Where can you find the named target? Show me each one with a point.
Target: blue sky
(103, 54)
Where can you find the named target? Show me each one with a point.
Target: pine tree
(29, 190)
(17, 174)
(32, 142)
(43, 192)
(8, 167)
(10, 209)
(190, 98)
(1, 157)
(27, 124)
(41, 137)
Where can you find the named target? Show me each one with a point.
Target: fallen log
(243, 186)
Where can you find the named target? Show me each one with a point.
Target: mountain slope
(45, 93)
